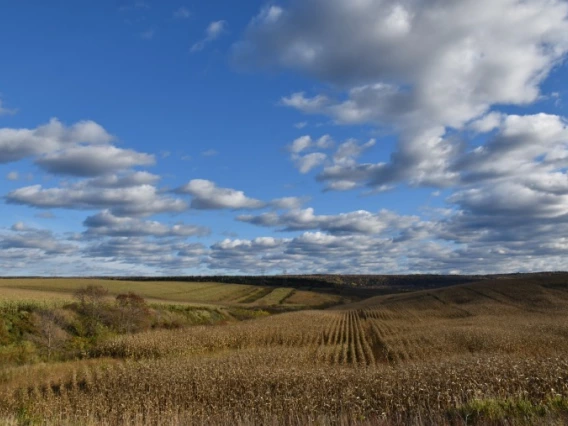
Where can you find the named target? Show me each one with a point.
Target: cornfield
(491, 353)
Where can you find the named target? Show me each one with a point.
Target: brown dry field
(492, 352)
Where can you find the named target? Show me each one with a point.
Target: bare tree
(133, 312)
(50, 335)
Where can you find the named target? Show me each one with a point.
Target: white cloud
(394, 68)
(308, 162)
(489, 52)
(16, 144)
(348, 151)
(206, 195)
(138, 200)
(92, 160)
(13, 176)
(107, 224)
(512, 199)
(357, 222)
(306, 142)
(270, 14)
(300, 144)
(22, 239)
(343, 173)
(487, 123)
(213, 31)
(531, 148)
(309, 105)
(162, 255)
(124, 180)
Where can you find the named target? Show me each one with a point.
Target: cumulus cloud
(357, 222)
(313, 105)
(389, 42)
(124, 180)
(22, 238)
(342, 171)
(318, 252)
(508, 211)
(213, 31)
(16, 144)
(306, 142)
(305, 162)
(107, 224)
(208, 196)
(394, 68)
(93, 160)
(165, 256)
(137, 200)
(420, 250)
(83, 149)
(524, 146)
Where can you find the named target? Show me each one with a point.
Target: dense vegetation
(34, 331)
(491, 352)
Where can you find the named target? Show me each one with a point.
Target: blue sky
(145, 137)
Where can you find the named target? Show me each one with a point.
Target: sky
(145, 137)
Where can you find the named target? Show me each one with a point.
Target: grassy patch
(246, 314)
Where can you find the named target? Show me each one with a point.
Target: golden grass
(8, 294)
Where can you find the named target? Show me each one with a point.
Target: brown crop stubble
(393, 361)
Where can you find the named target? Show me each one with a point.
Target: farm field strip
(164, 291)
(275, 297)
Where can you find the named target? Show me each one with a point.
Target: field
(211, 293)
(492, 352)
